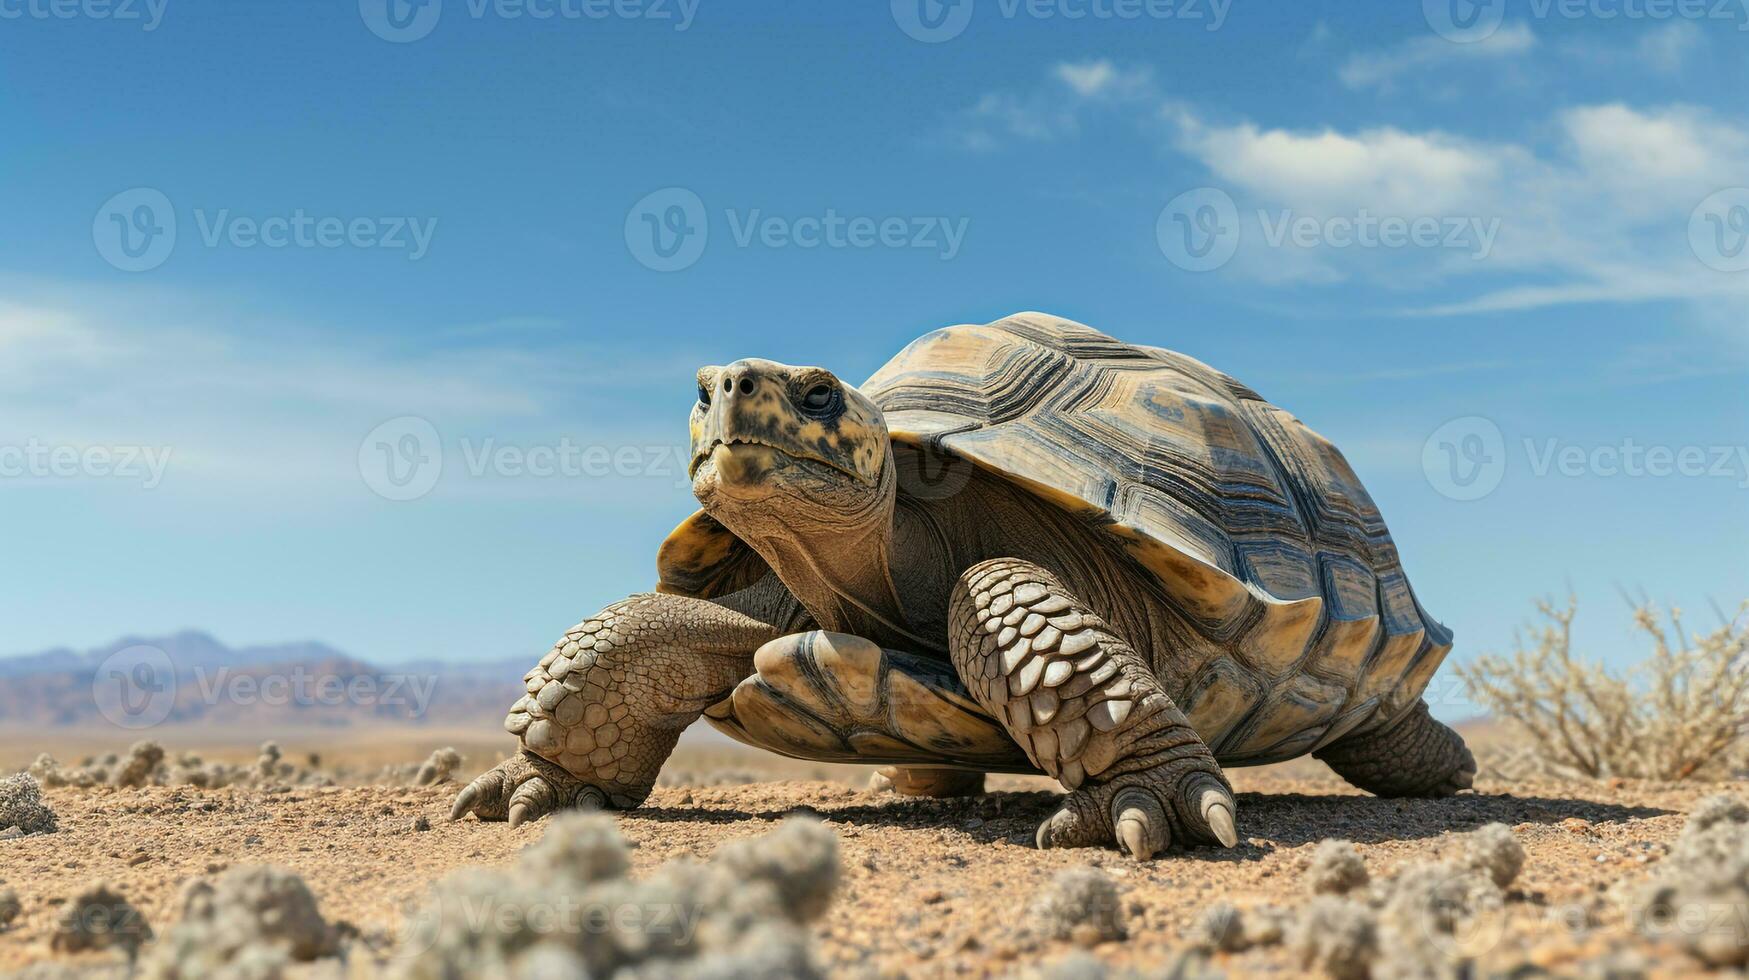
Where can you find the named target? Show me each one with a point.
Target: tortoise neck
(841, 571)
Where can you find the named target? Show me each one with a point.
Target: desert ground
(928, 887)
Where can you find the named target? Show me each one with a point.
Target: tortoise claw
(1070, 826)
(1139, 823)
(534, 798)
(480, 796)
(1220, 820)
(1216, 807)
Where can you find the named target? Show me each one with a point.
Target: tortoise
(1023, 546)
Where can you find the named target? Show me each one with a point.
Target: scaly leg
(1414, 756)
(1089, 711)
(606, 705)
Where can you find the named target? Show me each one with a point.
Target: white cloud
(1668, 47)
(1086, 79)
(1596, 213)
(1653, 161)
(1381, 68)
(1601, 217)
(1091, 79)
(1383, 168)
(251, 406)
(1052, 111)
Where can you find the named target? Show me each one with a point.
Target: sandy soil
(931, 887)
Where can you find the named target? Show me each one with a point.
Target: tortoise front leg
(606, 705)
(1088, 710)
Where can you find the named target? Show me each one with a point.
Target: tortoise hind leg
(919, 781)
(1413, 756)
(833, 697)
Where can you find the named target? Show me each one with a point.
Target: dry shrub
(1683, 713)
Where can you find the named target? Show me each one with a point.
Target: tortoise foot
(907, 781)
(1087, 710)
(1413, 756)
(1143, 814)
(525, 787)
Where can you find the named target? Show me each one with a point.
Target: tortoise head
(765, 434)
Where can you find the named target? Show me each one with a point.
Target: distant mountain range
(192, 678)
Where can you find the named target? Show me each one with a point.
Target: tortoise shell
(1298, 624)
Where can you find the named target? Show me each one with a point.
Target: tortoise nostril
(728, 385)
(746, 386)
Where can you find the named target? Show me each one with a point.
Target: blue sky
(475, 253)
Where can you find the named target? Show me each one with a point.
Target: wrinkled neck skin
(835, 556)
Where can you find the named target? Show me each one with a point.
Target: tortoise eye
(704, 393)
(818, 398)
